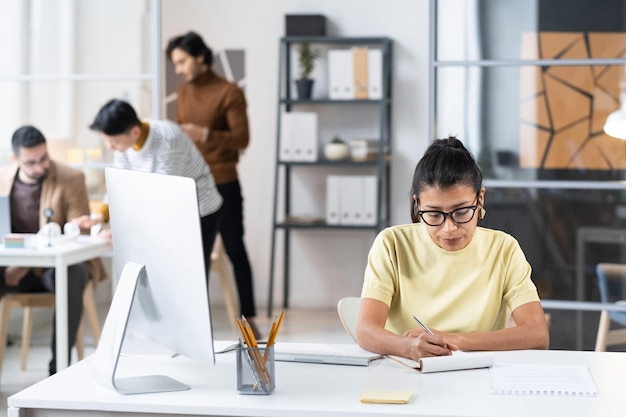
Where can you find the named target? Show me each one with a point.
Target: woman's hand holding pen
(426, 344)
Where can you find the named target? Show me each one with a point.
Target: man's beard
(38, 178)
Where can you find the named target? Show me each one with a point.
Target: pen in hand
(425, 327)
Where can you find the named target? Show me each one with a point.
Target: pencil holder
(255, 370)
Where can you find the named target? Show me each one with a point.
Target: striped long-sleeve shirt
(168, 150)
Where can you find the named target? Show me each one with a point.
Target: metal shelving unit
(284, 169)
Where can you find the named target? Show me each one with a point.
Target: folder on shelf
(359, 55)
(350, 200)
(375, 73)
(298, 139)
(333, 192)
(340, 74)
(286, 132)
(369, 199)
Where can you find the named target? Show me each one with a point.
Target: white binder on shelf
(350, 200)
(375, 74)
(369, 199)
(286, 133)
(333, 193)
(298, 139)
(340, 74)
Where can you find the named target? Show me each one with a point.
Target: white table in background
(60, 257)
(308, 390)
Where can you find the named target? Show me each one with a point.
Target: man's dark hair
(26, 137)
(193, 44)
(115, 118)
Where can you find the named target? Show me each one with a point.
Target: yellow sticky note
(386, 397)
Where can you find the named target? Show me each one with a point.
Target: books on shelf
(304, 219)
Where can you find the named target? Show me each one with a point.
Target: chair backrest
(348, 309)
(612, 283)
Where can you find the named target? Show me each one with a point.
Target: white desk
(59, 257)
(308, 390)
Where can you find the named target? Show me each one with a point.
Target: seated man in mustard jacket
(35, 183)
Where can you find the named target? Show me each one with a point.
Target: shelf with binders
(354, 102)
(321, 224)
(346, 71)
(311, 192)
(340, 163)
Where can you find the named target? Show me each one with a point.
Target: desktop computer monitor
(162, 294)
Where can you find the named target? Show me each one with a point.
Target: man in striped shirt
(161, 147)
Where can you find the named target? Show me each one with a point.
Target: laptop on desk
(324, 353)
(5, 216)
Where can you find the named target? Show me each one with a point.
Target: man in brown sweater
(212, 111)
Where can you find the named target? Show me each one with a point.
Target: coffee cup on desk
(71, 230)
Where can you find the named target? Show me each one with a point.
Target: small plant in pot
(336, 149)
(306, 63)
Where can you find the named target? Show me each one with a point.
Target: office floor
(299, 325)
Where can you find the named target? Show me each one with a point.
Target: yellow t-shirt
(473, 289)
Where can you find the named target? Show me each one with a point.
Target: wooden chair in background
(612, 283)
(28, 301)
(221, 264)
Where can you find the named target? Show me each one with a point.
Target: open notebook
(322, 353)
(455, 362)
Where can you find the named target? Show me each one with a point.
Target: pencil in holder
(255, 370)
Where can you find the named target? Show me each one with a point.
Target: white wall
(326, 265)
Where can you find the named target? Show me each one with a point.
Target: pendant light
(616, 122)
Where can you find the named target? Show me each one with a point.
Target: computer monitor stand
(105, 360)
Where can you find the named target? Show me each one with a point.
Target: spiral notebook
(530, 379)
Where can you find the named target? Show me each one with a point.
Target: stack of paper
(531, 379)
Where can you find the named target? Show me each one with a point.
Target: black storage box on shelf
(305, 25)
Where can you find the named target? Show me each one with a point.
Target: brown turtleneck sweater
(213, 102)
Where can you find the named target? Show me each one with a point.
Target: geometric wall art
(563, 108)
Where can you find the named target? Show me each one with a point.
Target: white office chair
(348, 310)
(612, 283)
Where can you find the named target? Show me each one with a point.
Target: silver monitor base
(147, 384)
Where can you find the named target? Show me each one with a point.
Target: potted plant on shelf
(336, 149)
(306, 61)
